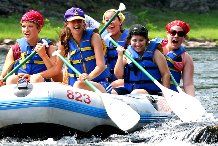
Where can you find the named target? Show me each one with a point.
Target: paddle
(186, 107)
(176, 84)
(196, 103)
(121, 8)
(24, 61)
(18, 66)
(119, 112)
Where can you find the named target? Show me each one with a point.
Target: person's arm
(121, 62)
(56, 69)
(188, 75)
(48, 59)
(161, 62)
(9, 62)
(91, 23)
(99, 56)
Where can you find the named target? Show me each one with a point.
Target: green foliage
(10, 28)
(51, 29)
(203, 26)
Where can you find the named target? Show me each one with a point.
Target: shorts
(106, 86)
(122, 91)
(47, 80)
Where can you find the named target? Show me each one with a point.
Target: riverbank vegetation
(203, 25)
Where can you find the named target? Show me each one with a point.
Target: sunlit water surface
(172, 132)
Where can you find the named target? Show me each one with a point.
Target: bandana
(33, 16)
(183, 25)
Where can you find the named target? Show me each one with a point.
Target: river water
(172, 132)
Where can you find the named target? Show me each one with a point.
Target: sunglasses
(179, 33)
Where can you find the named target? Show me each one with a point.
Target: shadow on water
(208, 134)
(42, 131)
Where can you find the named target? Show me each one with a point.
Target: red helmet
(185, 26)
(33, 16)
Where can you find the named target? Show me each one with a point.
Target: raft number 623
(78, 96)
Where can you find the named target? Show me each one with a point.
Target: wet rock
(4, 47)
(200, 44)
(208, 135)
(8, 41)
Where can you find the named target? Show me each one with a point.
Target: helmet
(138, 29)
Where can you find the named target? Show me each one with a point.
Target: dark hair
(137, 29)
(64, 37)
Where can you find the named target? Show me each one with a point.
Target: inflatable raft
(71, 107)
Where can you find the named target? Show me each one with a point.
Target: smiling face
(175, 37)
(30, 30)
(138, 42)
(115, 27)
(77, 27)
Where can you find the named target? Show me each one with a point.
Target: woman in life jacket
(84, 49)
(31, 25)
(119, 35)
(145, 52)
(179, 61)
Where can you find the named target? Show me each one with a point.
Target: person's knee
(139, 91)
(117, 83)
(114, 92)
(12, 79)
(78, 84)
(101, 88)
(36, 78)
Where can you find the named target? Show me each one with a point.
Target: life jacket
(82, 57)
(111, 54)
(33, 65)
(134, 78)
(174, 57)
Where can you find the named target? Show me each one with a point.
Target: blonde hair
(120, 15)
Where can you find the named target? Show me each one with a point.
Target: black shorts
(122, 91)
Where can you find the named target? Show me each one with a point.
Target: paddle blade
(119, 112)
(186, 107)
(122, 7)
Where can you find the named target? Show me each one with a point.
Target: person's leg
(117, 83)
(82, 85)
(12, 79)
(120, 91)
(139, 91)
(60, 78)
(36, 78)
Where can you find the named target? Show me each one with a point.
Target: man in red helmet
(31, 25)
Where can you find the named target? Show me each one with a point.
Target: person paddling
(31, 25)
(148, 56)
(179, 61)
(84, 49)
(119, 35)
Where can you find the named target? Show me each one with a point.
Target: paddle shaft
(19, 65)
(184, 111)
(136, 63)
(109, 22)
(77, 72)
